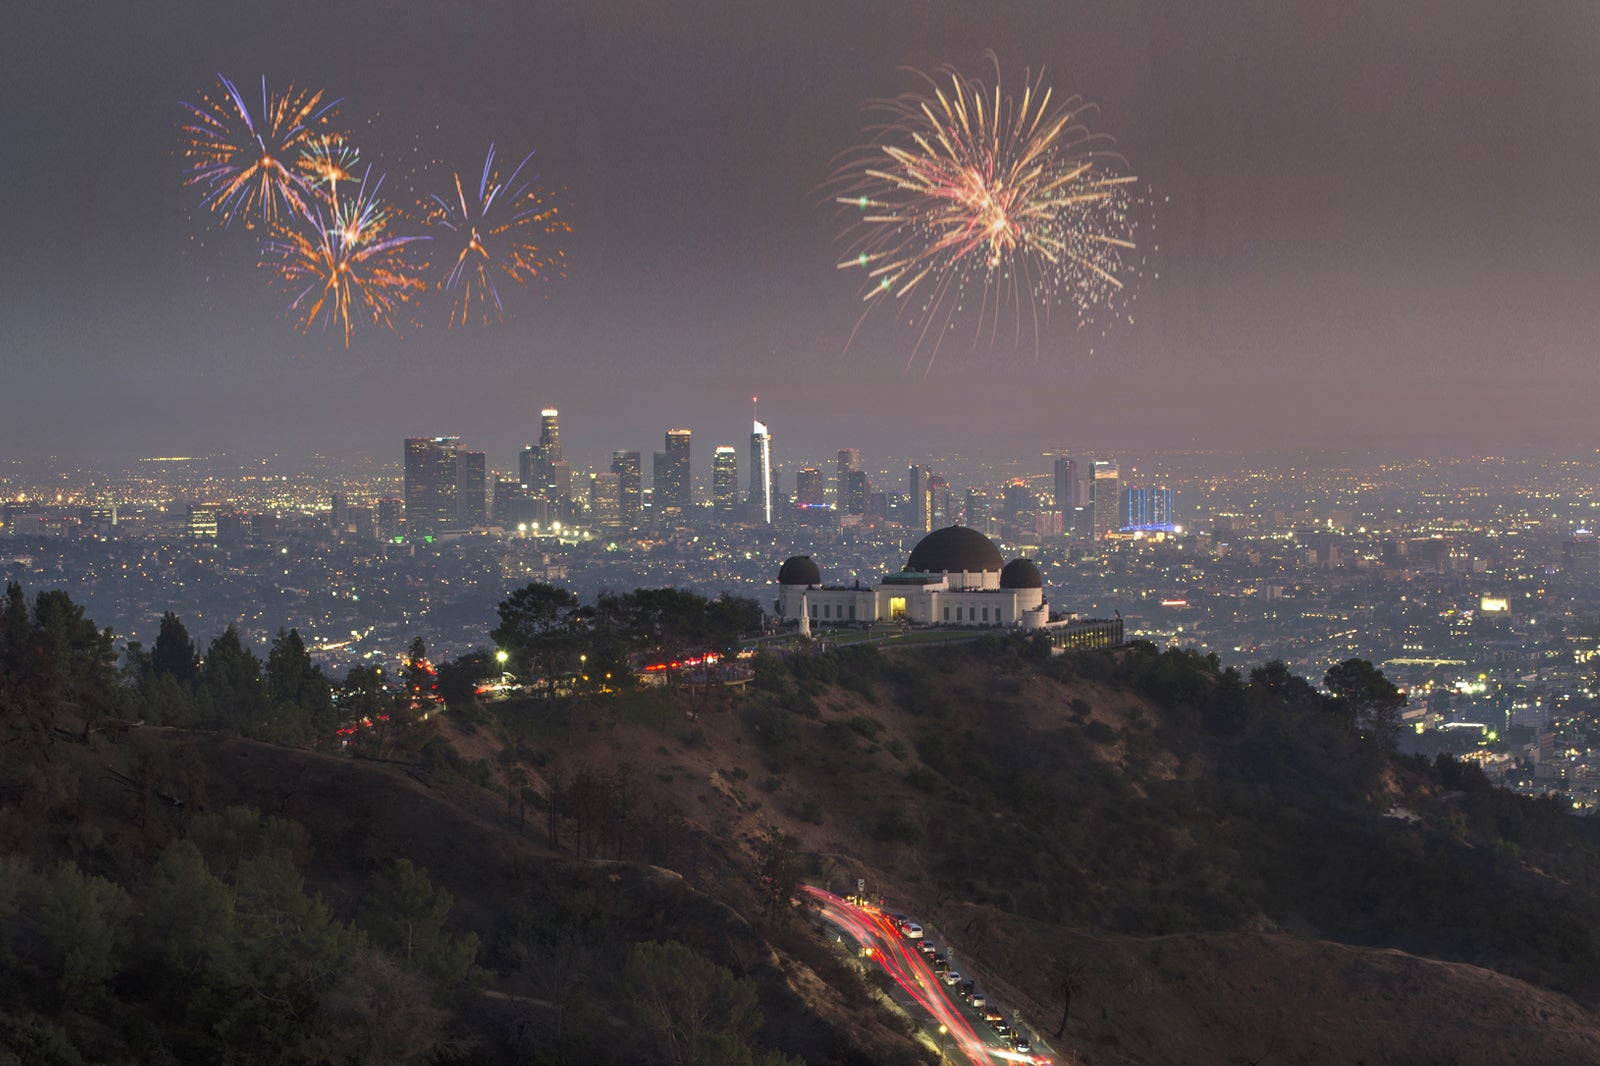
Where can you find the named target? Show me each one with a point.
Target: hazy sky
(1379, 227)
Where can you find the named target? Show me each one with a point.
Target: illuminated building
(917, 485)
(605, 500)
(550, 434)
(1148, 510)
(809, 487)
(761, 473)
(954, 576)
(671, 482)
(1104, 504)
(203, 521)
(725, 483)
(856, 492)
(849, 462)
(391, 513)
(1066, 479)
(630, 488)
(431, 490)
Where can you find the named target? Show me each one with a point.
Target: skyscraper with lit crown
(672, 472)
(431, 483)
(725, 484)
(760, 473)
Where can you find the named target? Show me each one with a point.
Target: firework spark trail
(966, 192)
(506, 229)
(343, 266)
(250, 163)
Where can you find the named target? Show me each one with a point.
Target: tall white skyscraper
(761, 473)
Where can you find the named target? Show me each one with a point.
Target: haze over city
(1372, 229)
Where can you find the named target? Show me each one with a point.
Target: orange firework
(343, 266)
(251, 164)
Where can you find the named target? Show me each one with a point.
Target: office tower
(338, 511)
(529, 470)
(391, 513)
(543, 468)
(1066, 489)
(809, 487)
(856, 488)
(977, 511)
(670, 497)
(920, 513)
(510, 502)
(1017, 500)
(203, 521)
(361, 523)
(630, 487)
(1103, 501)
(760, 473)
(1148, 509)
(558, 485)
(725, 484)
(550, 434)
(605, 500)
(849, 459)
(472, 490)
(431, 483)
(941, 508)
(230, 528)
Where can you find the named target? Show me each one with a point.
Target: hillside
(1213, 860)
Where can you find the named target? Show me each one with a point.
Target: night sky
(1378, 228)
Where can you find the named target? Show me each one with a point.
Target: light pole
(944, 1033)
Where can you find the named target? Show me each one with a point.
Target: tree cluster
(548, 635)
(218, 953)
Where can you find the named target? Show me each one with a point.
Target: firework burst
(969, 199)
(342, 264)
(506, 231)
(326, 160)
(251, 163)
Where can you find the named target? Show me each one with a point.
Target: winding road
(965, 1037)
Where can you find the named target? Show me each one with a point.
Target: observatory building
(954, 577)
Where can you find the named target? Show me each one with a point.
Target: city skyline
(1372, 228)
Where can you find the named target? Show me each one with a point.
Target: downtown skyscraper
(432, 491)
(672, 478)
(630, 487)
(725, 484)
(760, 473)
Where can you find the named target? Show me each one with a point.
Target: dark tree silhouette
(1366, 700)
(539, 627)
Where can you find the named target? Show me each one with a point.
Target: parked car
(1004, 1030)
(952, 977)
(1021, 1043)
(992, 1014)
(967, 988)
(941, 962)
(927, 948)
(911, 930)
(979, 1000)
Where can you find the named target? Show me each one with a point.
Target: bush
(1100, 733)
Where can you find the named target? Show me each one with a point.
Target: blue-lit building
(1149, 509)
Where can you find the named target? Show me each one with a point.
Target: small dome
(799, 570)
(955, 549)
(1021, 574)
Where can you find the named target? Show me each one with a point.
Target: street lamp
(944, 1032)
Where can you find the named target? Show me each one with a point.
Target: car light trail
(882, 941)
